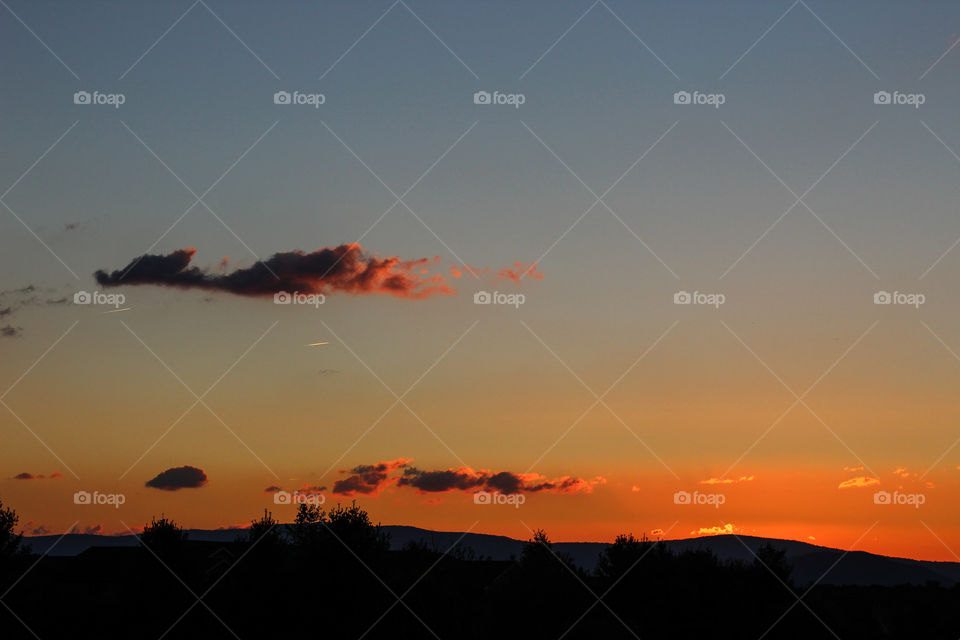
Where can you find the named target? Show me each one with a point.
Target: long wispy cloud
(347, 269)
(373, 478)
(858, 482)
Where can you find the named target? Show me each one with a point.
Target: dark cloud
(39, 476)
(176, 478)
(93, 529)
(434, 481)
(368, 478)
(347, 268)
(21, 291)
(371, 479)
(6, 311)
(272, 489)
(10, 331)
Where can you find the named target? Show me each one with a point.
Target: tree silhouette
(9, 541)
(265, 531)
(163, 536)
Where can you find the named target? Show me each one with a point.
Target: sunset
(487, 278)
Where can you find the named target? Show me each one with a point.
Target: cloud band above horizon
(347, 268)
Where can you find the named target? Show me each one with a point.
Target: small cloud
(176, 478)
(716, 530)
(727, 480)
(810, 538)
(635, 488)
(91, 530)
(858, 482)
(519, 271)
(38, 476)
(272, 489)
(859, 467)
(10, 331)
(902, 472)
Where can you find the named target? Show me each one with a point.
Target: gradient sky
(493, 387)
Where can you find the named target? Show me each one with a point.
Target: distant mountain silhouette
(809, 561)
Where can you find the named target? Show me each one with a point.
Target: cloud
(93, 529)
(727, 480)
(716, 530)
(519, 271)
(10, 331)
(176, 478)
(272, 489)
(902, 472)
(371, 479)
(16, 299)
(39, 476)
(347, 268)
(368, 479)
(859, 467)
(858, 482)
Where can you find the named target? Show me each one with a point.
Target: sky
(587, 199)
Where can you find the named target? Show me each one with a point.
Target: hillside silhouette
(335, 574)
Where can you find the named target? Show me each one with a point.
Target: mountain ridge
(812, 563)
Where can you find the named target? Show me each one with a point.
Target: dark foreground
(332, 575)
